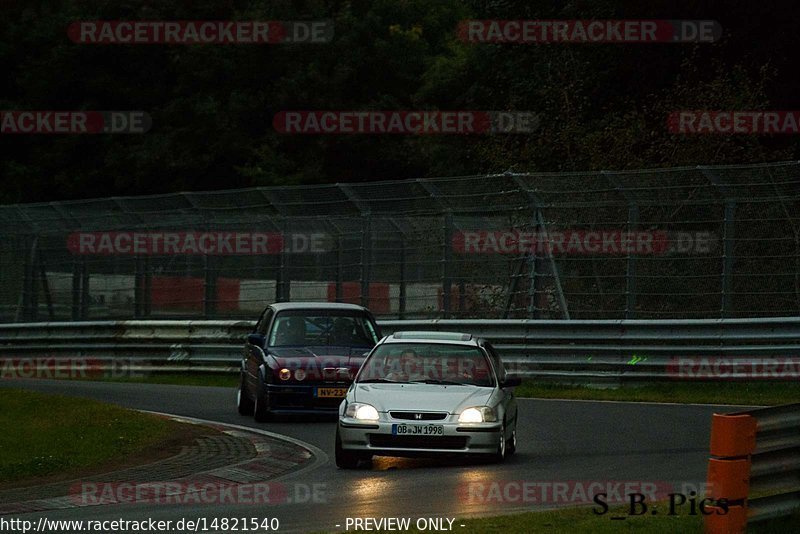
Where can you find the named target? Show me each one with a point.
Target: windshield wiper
(436, 381)
(379, 381)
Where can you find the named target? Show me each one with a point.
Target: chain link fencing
(693, 242)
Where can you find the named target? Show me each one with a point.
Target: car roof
(284, 306)
(451, 338)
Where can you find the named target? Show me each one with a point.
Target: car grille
(385, 441)
(424, 416)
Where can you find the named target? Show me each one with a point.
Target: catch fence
(693, 242)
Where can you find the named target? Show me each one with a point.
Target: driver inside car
(406, 368)
(343, 332)
(292, 332)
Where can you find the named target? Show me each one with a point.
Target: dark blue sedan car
(302, 357)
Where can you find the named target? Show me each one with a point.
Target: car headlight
(285, 374)
(358, 410)
(478, 414)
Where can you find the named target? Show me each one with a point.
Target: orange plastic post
(734, 521)
(728, 479)
(733, 435)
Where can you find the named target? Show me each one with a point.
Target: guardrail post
(733, 440)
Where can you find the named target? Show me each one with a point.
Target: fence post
(85, 295)
(30, 304)
(447, 260)
(76, 291)
(48, 298)
(728, 257)
(209, 286)
(366, 257)
(281, 293)
(633, 223)
(729, 221)
(138, 288)
(630, 274)
(401, 305)
(339, 266)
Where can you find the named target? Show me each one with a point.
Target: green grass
(750, 393)
(46, 435)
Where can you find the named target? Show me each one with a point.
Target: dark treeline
(601, 106)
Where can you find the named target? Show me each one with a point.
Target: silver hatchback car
(425, 394)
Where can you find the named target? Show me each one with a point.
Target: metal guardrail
(755, 467)
(576, 351)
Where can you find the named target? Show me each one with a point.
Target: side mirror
(511, 381)
(257, 340)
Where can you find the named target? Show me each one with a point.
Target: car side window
(263, 323)
(497, 362)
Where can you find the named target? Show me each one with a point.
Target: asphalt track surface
(557, 441)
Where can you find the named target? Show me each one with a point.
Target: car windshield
(431, 363)
(303, 328)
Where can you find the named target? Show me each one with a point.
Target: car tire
(244, 404)
(511, 446)
(261, 411)
(502, 451)
(344, 459)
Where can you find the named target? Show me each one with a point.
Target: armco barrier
(575, 351)
(754, 467)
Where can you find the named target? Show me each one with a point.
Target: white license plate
(404, 429)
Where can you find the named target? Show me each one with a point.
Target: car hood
(421, 397)
(314, 359)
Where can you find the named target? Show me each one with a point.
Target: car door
(508, 399)
(254, 356)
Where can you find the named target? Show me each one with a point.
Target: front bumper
(457, 438)
(296, 398)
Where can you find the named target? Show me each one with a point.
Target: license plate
(403, 429)
(331, 392)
